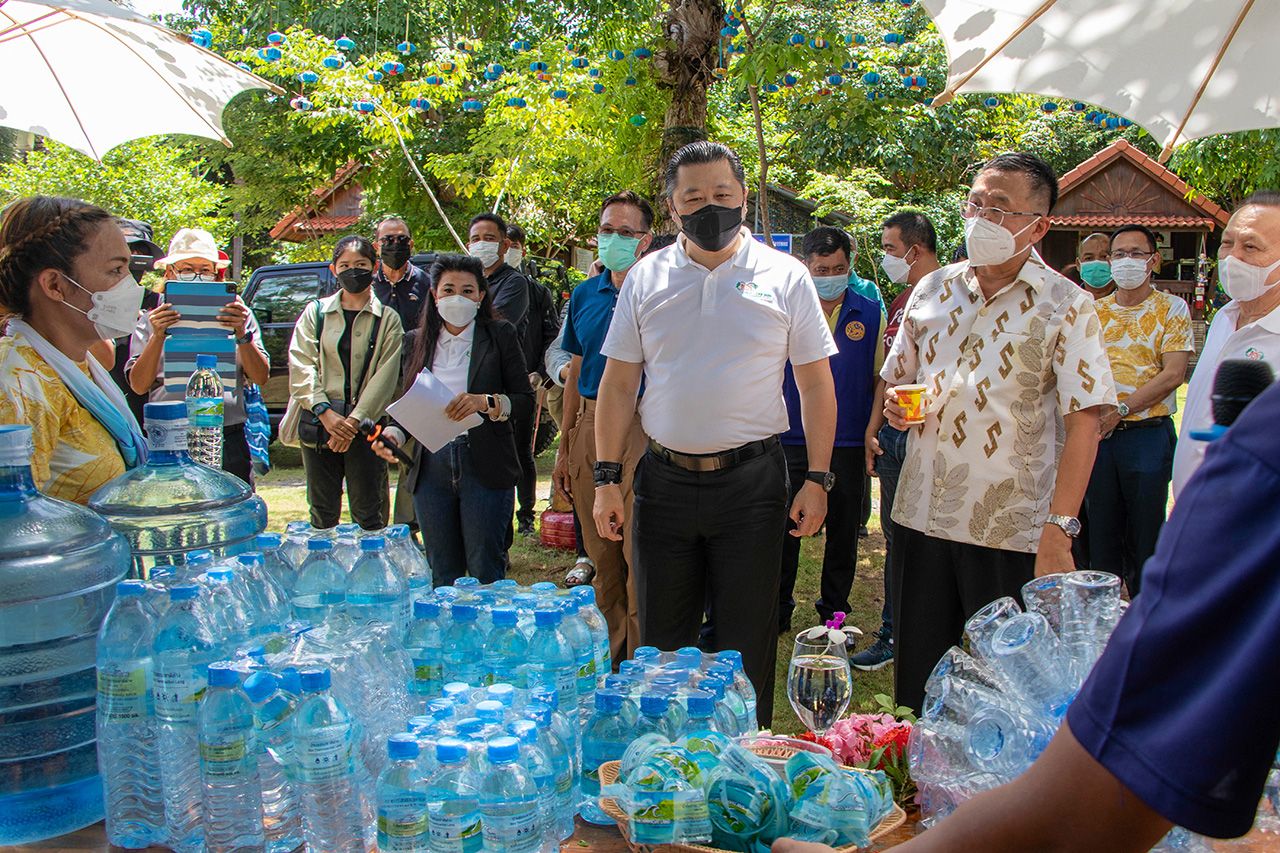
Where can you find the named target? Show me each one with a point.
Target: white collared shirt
(452, 360)
(1260, 340)
(1001, 373)
(714, 343)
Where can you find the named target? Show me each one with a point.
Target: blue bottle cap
(701, 703)
(540, 714)
(505, 583)
(543, 586)
(524, 602)
(172, 410)
(608, 701)
(504, 617)
(646, 653)
(465, 581)
(402, 747)
(425, 608)
(373, 543)
(547, 617)
(503, 750)
(160, 572)
(319, 545)
(206, 362)
(348, 529)
(450, 750)
(689, 657)
(195, 558)
(221, 574)
(526, 731)
(223, 674)
(183, 592)
(721, 670)
(731, 657)
(504, 694)
(398, 531)
(585, 594)
(490, 711)
(127, 588)
(297, 527)
(446, 593)
(251, 558)
(618, 681)
(470, 726)
(713, 685)
(440, 709)
(267, 541)
(654, 704)
(631, 667)
(315, 680)
(456, 691)
(259, 685)
(465, 613)
(418, 723)
(290, 681)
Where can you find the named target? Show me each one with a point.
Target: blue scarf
(99, 395)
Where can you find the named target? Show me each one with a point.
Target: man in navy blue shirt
(626, 230)
(1179, 722)
(857, 322)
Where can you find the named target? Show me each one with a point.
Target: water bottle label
(161, 435)
(664, 817)
(178, 693)
(323, 755)
(402, 824)
(455, 833)
(427, 672)
(225, 757)
(587, 676)
(514, 831)
(204, 412)
(122, 694)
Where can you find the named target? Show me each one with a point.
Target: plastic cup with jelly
(911, 398)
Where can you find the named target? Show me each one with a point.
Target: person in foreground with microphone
(463, 492)
(1144, 746)
(1246, 327)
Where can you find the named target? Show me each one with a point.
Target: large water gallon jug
(59, 565)
(172, 504)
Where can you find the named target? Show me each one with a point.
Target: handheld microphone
(373, 433)
(1235, 385)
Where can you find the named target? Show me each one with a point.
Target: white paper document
(421, 412)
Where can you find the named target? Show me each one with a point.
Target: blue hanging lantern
(537, 66)
(202, 38)
(637, 120)
(309, 77)
(269, 54)
(1049, 107)
(835, 80)
(1113, 123)
(874, 96)
(771, 87)
(598, 88)
(333, 62)
(276, 38)
(796, 40)
(728, 32)
(300, 104)
(617, 55)
(374, 76)
(860, 40)
(345, 43)
(894, 38)
(516, 103)
(495, 69)
(363, 106)
(819, 44)
(448, 66)
(630, 81)
(871, 78)
(434, 80)
(1078, 107)
(992, 102)
(579, 62)
(560, 95)
(472, 106)
(644, 52)
(466, 47)
(406, 48)
(790, 80)
(1124, 122)
(393, 68)
(520, 46)
(1091, 116)
(921, 82)
(594, 72)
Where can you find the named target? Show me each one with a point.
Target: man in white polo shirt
(710, 323)
(1246, 327)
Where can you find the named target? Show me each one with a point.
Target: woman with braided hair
(64, 278)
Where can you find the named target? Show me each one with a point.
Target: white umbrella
(92, 75)
(1182, 69)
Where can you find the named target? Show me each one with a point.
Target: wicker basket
(609, 774)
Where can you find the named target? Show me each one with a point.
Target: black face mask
(355, 280)
(395, 255)
(712, 227)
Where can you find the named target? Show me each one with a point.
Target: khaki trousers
(615, 582)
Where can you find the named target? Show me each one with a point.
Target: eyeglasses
(1121, 254)
(393, 239)
(992, 214)
(621, 232)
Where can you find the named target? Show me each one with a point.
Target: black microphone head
(1235, 385)
(366, 426)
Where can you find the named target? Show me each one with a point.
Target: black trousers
(844, 517)
(713, 537)
(235, 453)
(368, 495)
(527, 485)
(938, 585)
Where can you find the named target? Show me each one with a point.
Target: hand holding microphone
(373, 434)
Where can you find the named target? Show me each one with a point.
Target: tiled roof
(1151, 221)
(1123, 148)
(325, 223)
(305, 218)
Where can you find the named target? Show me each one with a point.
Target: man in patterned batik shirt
(1148, 338)
(1017, 378)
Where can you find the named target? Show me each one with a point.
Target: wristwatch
(491, 404)
(320, 409)
(246, 339)
(607, 474)
(1122, 410)
(823, 478)
(1069, 524)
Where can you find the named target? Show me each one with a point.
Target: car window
(281, 298)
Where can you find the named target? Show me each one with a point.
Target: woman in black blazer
(464, 493)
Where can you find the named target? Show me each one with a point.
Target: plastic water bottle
(1005, 742)
(701, 707)
(171, 505)
(231, 616)
(229, 765)
(271, 599)
(584, 657)
(598, 628)
(127, 723)
(294, 548)
(551, 658)
(375, 592)
(655, 716)
(185, 646)
(273, 709)
(464, 647)
(570, 733)
(563, 765)
(204, 412)
(1090, 611)
(346, 545)
(453, 802)
(320, 588)
(509, 811)
(726, 721)
(402, 800)
(274, 561)
(425, 646)
(506, 650)
(59, 564)
(337, 817)
(743, 687)
(535, 760)
(1030, 656)
(605, 739)
(412, 562)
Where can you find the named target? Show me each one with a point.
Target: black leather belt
(1144, 423)
(703, 462)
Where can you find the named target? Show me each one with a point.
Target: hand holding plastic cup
(911, 398)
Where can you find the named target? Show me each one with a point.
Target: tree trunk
(685, 65)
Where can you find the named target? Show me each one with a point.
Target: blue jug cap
(183, 592)
(504, 583)
(402, 747)
(171, 410)
(450, 750)
(127, 588)
(547, 617)
(267, 541)
(456, 691)
(631, 667)
(297, 527)
(348, 528)
(504, 617)
(206, 362)
(645, 653)
(524, 601)
(223, 674)
(373, 543)
(418, 723)
(319, 545)
(259, 685)
(503, 750)
(315, 680)
(425, 608)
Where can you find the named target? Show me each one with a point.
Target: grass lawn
(284, 490)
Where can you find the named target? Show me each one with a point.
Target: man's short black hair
(703, 151)
(516, 234)
(660, 241)
(631, 198)
(1043, 180)
(1263, 198)
(916, 229)
(489, 217)
(1133, 227)
(825, 240)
